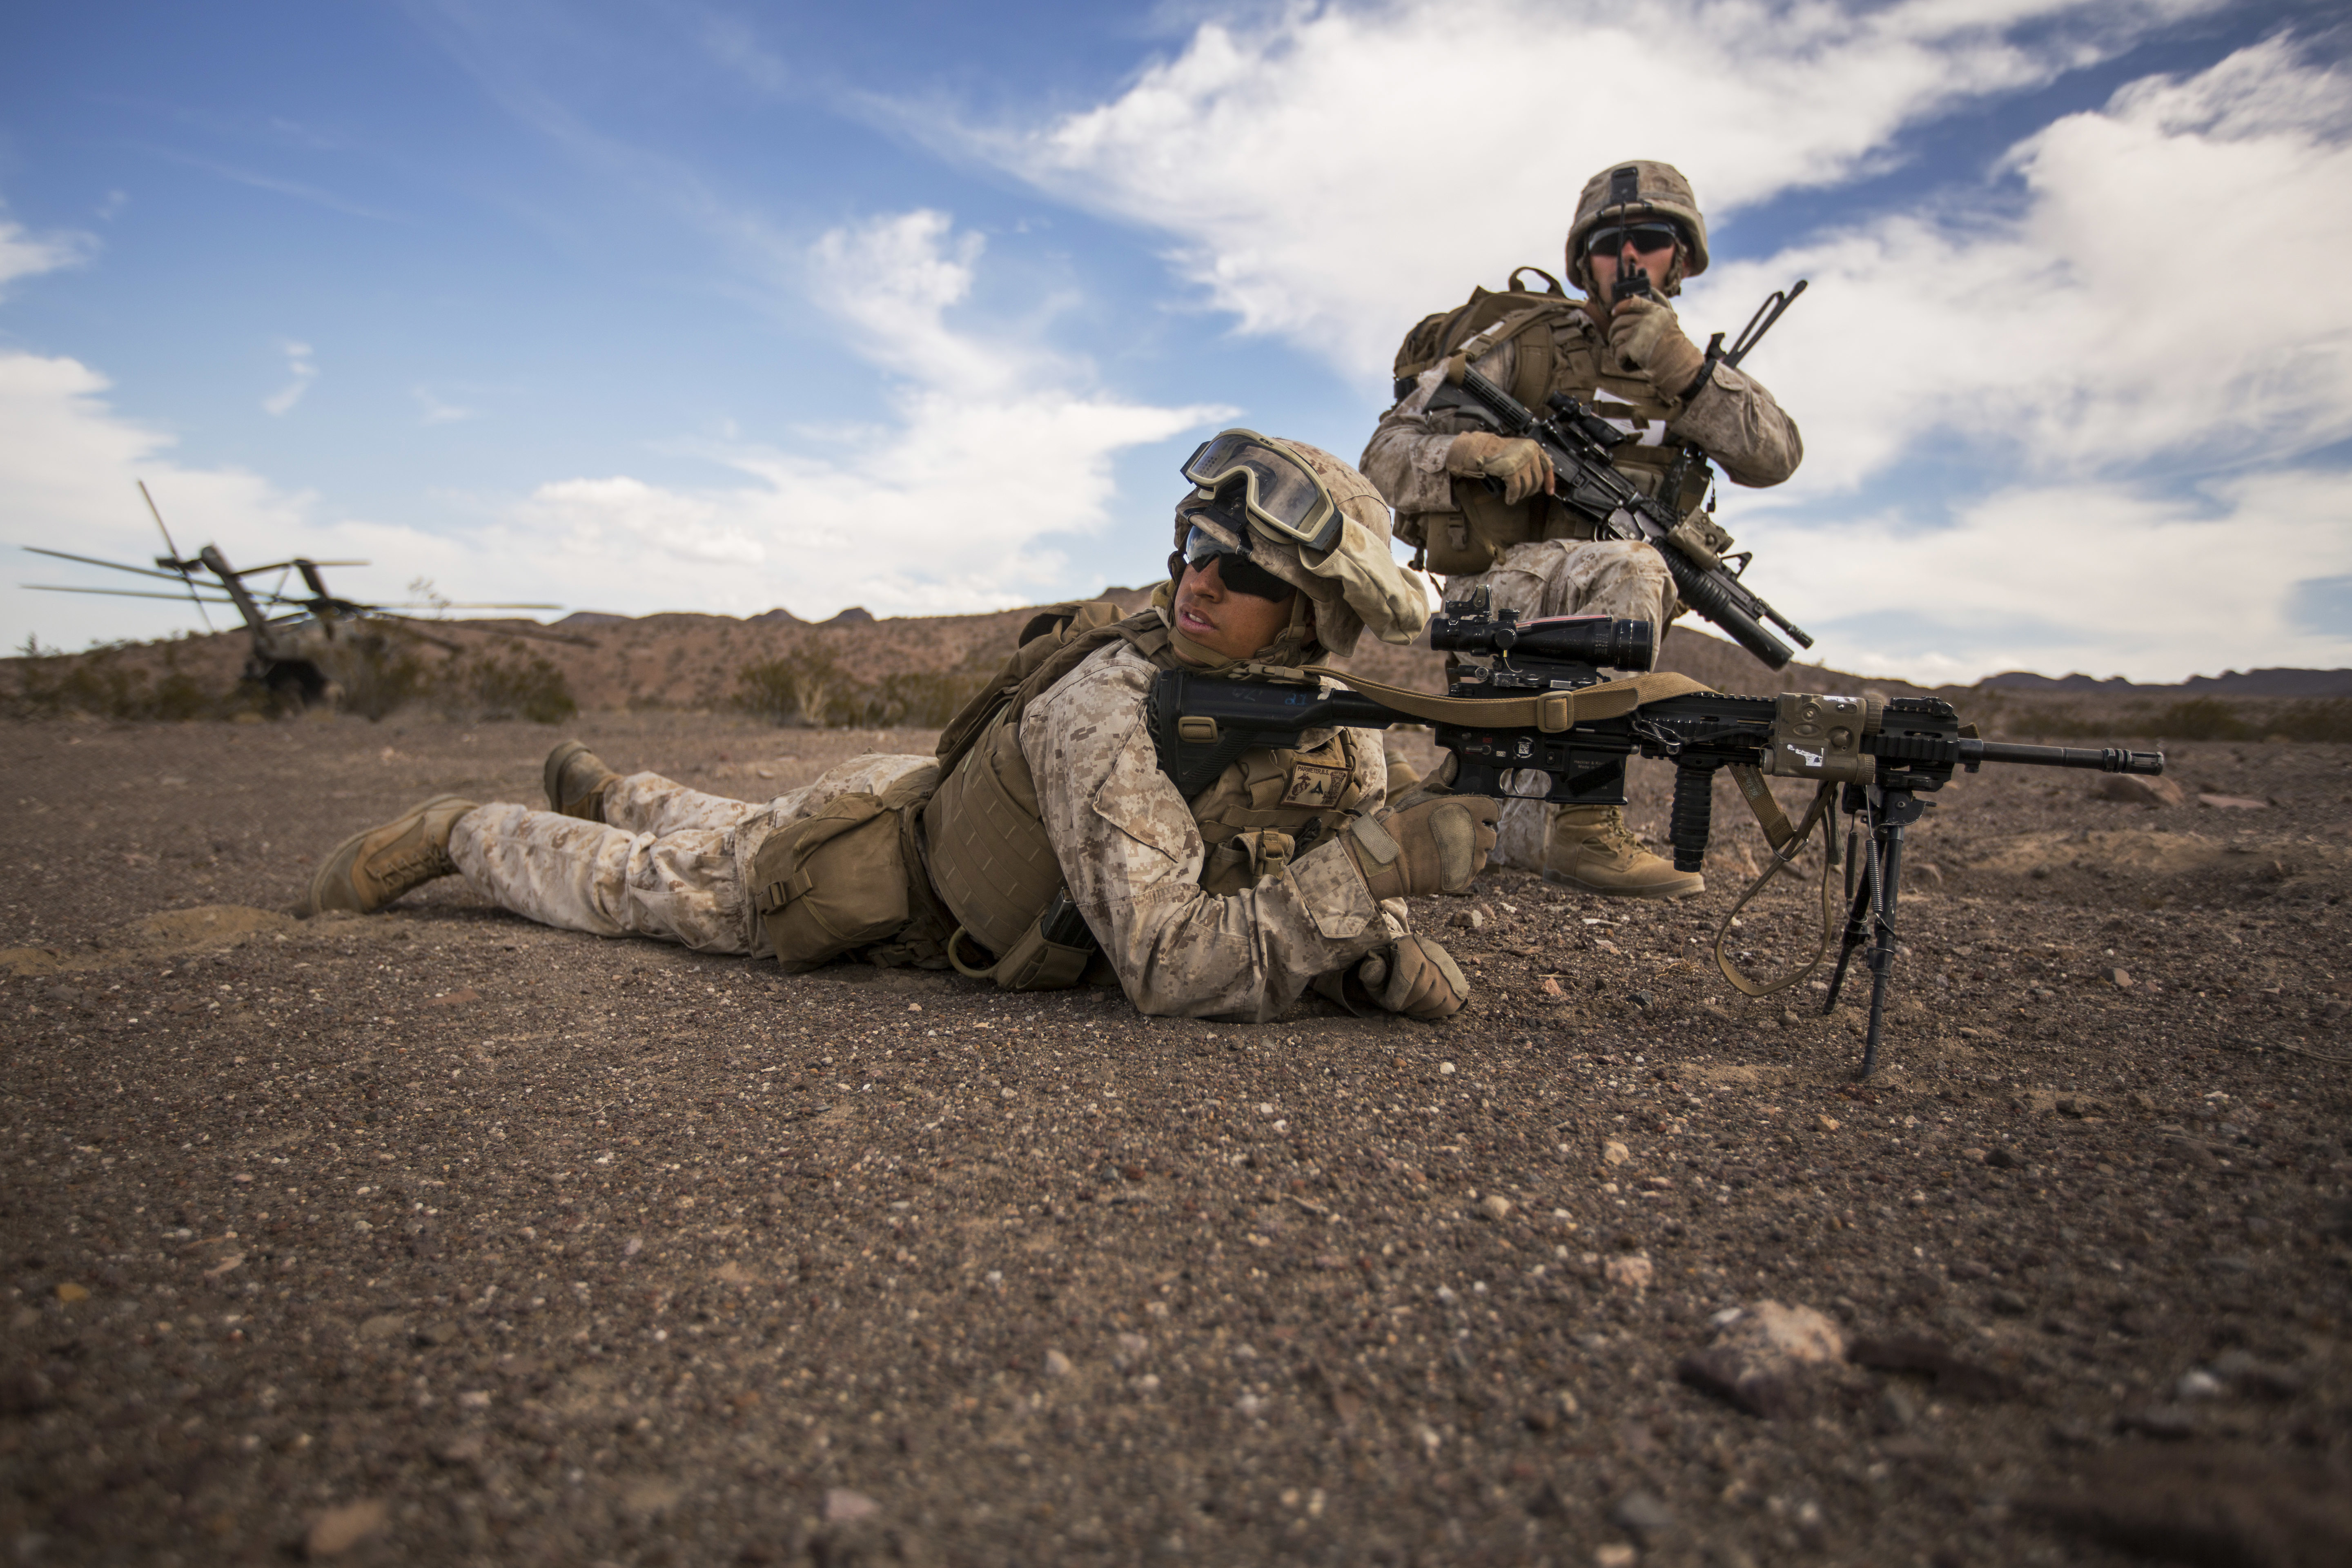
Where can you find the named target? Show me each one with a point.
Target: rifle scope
(1567, 639)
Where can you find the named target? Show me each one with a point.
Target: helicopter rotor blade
(110, 565)
(157, 513)
(122, 594)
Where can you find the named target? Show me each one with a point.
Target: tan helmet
(1641, 188)
(1356, 583)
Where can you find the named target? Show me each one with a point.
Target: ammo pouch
(1455, 549)
(844, 877)
(1051, 954)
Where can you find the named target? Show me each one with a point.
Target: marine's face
(1232, 623)
(1609, 264)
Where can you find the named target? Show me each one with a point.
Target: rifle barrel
(2105, 758)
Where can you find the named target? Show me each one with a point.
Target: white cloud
(1338, 172)
(432, 410)
(2031, 578)
(997, 444)
(23, 253)
(302, 369)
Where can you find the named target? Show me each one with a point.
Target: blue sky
(674, 306)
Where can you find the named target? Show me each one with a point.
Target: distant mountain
(2229, 683)
(778, 616)
(855, 616)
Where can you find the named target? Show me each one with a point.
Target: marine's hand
(1434, 847)
(1646, 336)
(1417, 978)
(1519, 465)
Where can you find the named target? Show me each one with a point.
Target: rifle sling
(1548, 711)
(1785, 846)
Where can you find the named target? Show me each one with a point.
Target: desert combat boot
(1590, 847)
(370, 869)
(576, 781)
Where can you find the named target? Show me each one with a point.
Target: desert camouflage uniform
(1731, 419)
(675, 863)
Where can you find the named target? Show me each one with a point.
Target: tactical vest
(1467, 541)
(994, 868)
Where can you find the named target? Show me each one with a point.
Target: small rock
(1470, 919)
(1828, 1124)
(1633, 1270)
(2133, 789)
(2234, 802)
(1614, 1554)
(1057, 1364)
(1615, 1153)
(382, 1326)
(1550, 988)
(1976, 1156)
(1494, 1207)
(1896, 1409)
(2009, 1303)
(70, 1293)
(339, 1530)
(2196, 1384)
(1765, 1360)
(2002, 1159)
(1643, 1514)
(2120, 978)
(843, 1506)
(1641, 999)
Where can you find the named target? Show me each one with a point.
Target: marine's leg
(683, 887)
(1589, 847)
(578, 783)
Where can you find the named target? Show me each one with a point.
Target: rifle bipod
(1874, 878)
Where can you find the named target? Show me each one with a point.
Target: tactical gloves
(1433, 847)
(1646, 336)
(1414, 976)
(1515, 463)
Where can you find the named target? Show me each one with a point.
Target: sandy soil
(437, 1237)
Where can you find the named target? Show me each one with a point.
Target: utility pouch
(1455, 549)
(837, 879)
(1052, 954)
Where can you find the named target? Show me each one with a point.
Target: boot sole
(1664, 891)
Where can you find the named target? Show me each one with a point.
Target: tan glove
(1434, 847)
(1417, 978)
(1516, 462)
(1646, 336)
(1414, 976)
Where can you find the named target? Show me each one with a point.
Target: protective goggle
(1646, 238)
(1281, 493)
(1235, 570)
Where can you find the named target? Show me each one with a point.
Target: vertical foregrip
(1692, 814)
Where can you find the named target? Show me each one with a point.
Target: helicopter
(306, 648)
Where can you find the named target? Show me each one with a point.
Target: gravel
(437, 1236)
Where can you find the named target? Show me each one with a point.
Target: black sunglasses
(1235, 570)
(1647, 238)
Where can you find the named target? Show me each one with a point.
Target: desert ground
(436, 1236)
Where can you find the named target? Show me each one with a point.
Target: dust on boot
(576, 779)
(372, 867)
(1590, 847)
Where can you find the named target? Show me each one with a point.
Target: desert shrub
(807, 686)
(380, 673)
(505, 682)
(105, 683)
(2199, 719)
(2329, 720)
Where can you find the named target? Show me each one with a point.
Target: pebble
(1615, 1153)
(1550, 987)
(339, 1530)
(2120, 978)
(1494, 1207)
(2196, 1384)
(2234, 802)
(1057, 1364)
(843, 1506)
(1633, 1271)
(2001, 1158)
(1614, 1554)
(70, 1293)
(1828, 1124)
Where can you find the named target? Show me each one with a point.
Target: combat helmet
(1314, 521)
(1642, 188)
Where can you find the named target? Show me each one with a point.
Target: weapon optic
(1536, 720)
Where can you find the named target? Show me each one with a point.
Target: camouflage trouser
(668, 862)
(1566, 577)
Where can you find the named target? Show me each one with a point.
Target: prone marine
(1043, 845)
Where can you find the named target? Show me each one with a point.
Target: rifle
(1540, 705)
(1578, 442)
